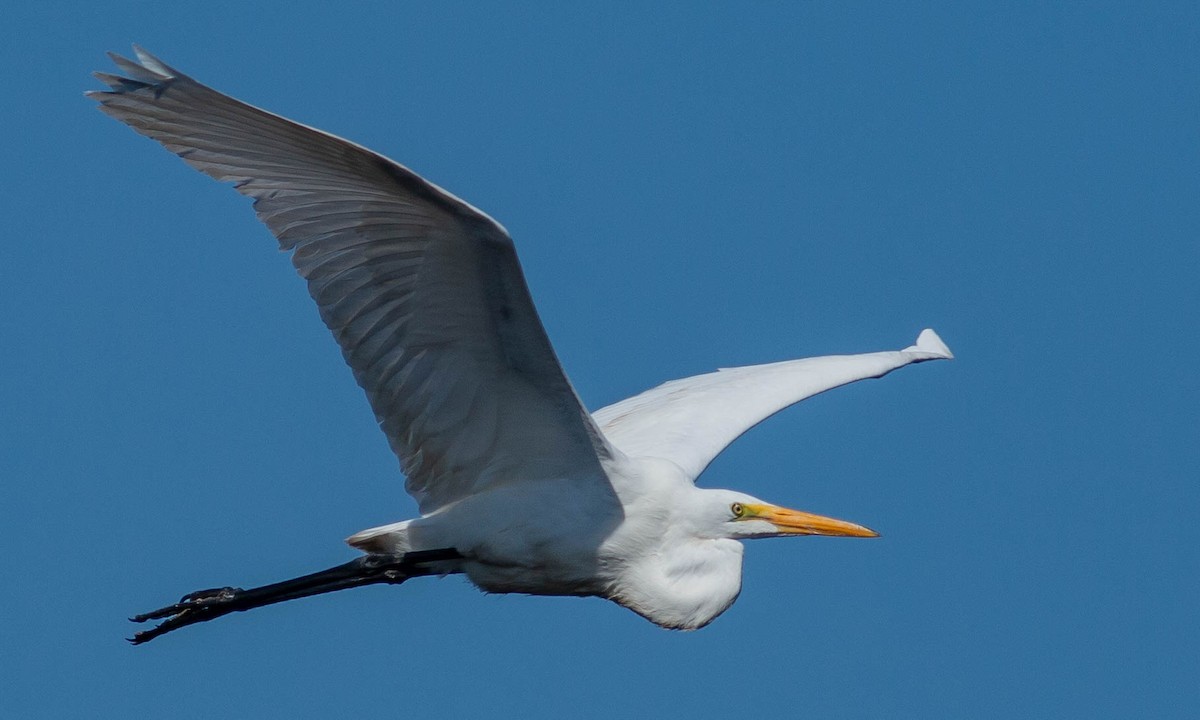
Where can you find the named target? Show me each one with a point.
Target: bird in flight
(519, 487)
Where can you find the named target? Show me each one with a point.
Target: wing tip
(929, 343)
(146, 72)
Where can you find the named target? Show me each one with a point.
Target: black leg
(204, 605)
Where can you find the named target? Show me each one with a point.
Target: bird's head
(729, 514)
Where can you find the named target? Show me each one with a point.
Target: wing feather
(690, 421)
(422, 291)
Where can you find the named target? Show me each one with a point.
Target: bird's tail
(391, 538)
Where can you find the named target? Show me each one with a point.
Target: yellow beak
(795, 522)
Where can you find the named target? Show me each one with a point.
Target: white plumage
(424, 294)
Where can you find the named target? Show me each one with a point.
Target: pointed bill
(797, 522)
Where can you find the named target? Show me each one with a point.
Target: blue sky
(689, 187)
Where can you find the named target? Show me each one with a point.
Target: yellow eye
(738, 510)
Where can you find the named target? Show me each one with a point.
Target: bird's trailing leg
(204, 605)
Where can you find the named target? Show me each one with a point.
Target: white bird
(518, 486)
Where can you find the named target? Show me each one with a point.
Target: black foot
(192, 608)
(204, 605)
(192, 600)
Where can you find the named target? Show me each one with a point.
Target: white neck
(685, 587)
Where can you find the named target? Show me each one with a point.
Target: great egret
(519, 487)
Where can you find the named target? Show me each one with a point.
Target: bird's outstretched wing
(690, 421)
(422, 291)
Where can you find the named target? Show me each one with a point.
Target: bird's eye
(738, 510)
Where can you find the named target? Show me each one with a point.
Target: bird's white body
(424, 294)
(631, 540)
